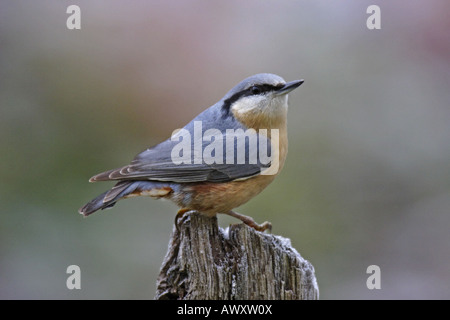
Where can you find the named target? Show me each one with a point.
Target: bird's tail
(125, 189)
(109, 198)
(96, 204)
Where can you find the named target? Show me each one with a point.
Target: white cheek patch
(280, 102)
(248, 104)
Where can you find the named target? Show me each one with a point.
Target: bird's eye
(255, 90)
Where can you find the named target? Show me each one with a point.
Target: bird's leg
(180, 215)
(250, 222)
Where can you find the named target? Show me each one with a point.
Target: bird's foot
(250, 222)
(180, 215)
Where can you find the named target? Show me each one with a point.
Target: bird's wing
(162, 162)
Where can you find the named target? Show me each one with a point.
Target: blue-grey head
(259, 99)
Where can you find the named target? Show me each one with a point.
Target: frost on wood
(206, 262)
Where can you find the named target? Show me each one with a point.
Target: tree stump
(204, 261)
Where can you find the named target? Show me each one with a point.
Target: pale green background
(367, 178)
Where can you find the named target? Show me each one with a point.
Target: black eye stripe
(251, 91)
(262, 88)
(255, 90)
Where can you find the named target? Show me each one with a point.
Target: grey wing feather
(156, 163)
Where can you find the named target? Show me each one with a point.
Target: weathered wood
(206, 262)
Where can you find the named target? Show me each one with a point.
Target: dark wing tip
(104, 176)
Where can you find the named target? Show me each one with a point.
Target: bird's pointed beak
(288, 87)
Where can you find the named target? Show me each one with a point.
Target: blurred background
(366, 182)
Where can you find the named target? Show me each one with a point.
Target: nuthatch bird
(196, 171)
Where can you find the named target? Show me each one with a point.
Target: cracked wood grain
(204, 261)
